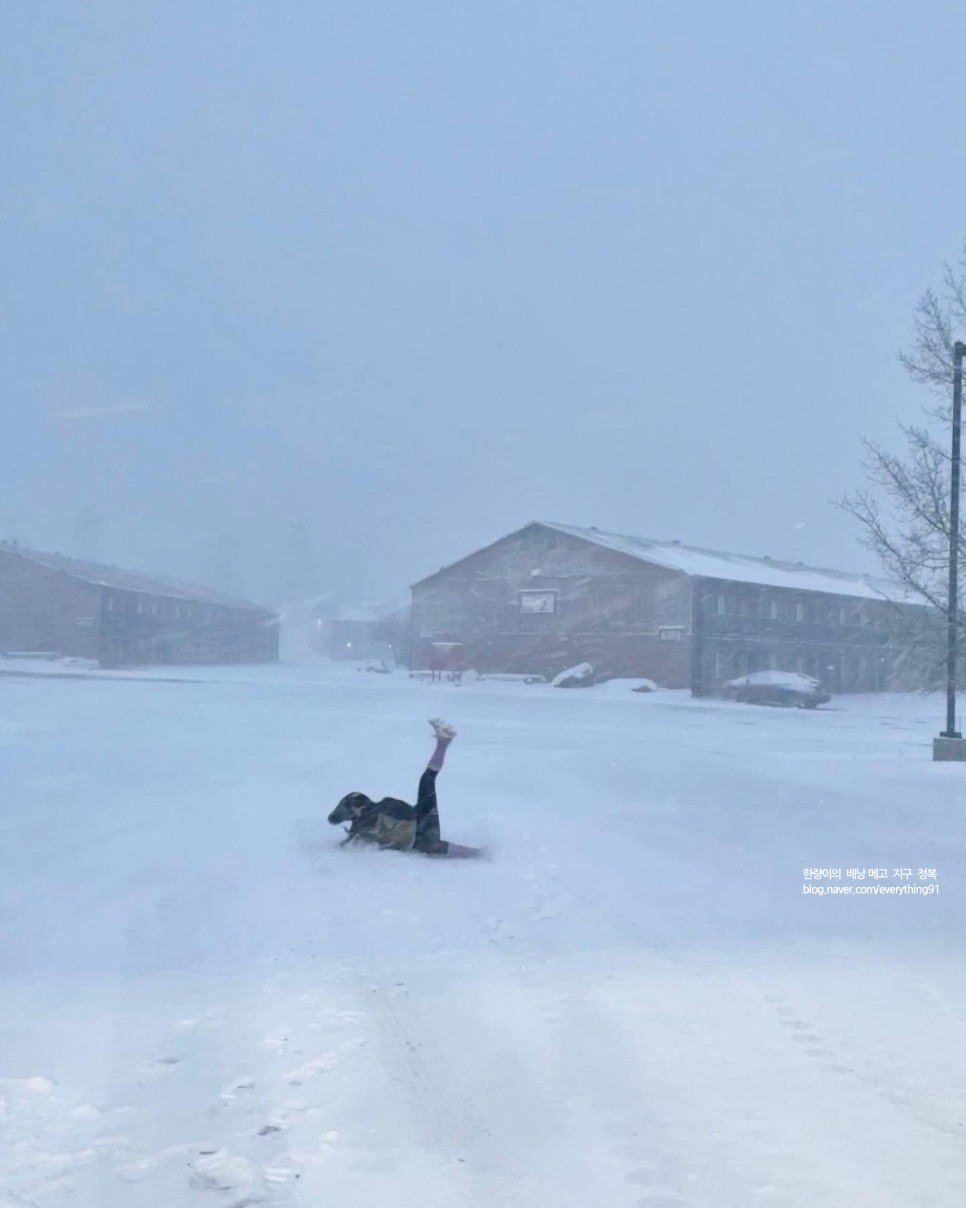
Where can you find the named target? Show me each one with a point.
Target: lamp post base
(949, 749)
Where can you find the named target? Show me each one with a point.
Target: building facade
(358, 633)
(549, 596)
(120, 617)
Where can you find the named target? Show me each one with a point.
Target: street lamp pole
(952, 634)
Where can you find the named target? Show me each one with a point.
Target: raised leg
(427, 809)
(427, 816)
(444, 736)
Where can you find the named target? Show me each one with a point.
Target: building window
(723, 665)
(843, 615)
(721, 604)
(538, 601)
(670, 633)
(774, 610)
(751, 604)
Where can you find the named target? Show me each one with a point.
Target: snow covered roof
(129, 580)
(736, 568)
(739, 568)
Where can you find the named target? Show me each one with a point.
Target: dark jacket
(388, 823)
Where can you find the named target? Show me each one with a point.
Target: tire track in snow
(889, 1077)
(81, 1149)
(598, 1072)
(444, 1106)
(171, 1143)
(655, 1156)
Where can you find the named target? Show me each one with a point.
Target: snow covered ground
(204, 1001)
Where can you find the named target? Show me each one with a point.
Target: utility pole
(950, 744)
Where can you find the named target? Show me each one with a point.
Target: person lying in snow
(396, 824)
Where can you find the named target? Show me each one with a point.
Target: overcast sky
(413, 273)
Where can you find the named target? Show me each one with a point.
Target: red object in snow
(447, 659)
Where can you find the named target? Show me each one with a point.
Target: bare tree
(937, 318)
(904, 513)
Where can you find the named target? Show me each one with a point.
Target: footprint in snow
(240, 1087)
(158, 1067)
(135, 1170)
(311, 1069)
(223, 1171)
(276, 1040)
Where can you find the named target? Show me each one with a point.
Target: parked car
(581, 676)
(787, 688)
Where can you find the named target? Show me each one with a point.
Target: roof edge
(883, 588)
(82, 571)
(482, 550)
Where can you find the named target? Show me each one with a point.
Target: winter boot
(443, 730)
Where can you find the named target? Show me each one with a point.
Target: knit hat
(346, 810)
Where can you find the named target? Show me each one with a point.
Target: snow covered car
(581, 676)
(787, 688)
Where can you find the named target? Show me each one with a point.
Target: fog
(303, 300)
(359, 287)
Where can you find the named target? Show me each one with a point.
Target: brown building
(122, 617)
(549, 596)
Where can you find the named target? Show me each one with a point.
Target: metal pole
(697, 603)
(952, 629)
(412, 630)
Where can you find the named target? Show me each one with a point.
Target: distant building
(352, 634)
(550, 596)
(123, 617)
(362, 632)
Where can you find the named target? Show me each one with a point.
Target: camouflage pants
(427, 818)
